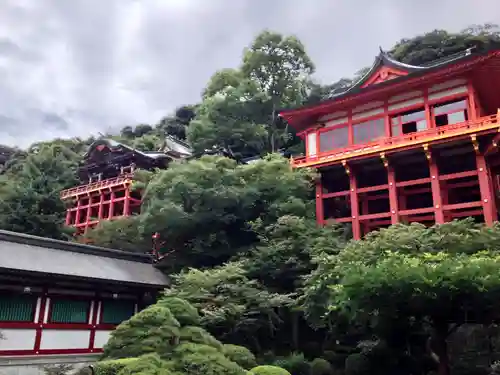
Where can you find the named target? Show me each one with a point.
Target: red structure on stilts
(107, 174)
(407, 144)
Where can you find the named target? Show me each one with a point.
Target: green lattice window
(17, 308)
(115, 312)
(69, 311)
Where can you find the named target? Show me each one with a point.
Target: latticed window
(17, 308)
(116, 311)
(69, 311)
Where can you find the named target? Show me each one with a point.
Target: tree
(29, 190)
(240, 106)
(164, 342)
(406, 278)
(231, 305)
(202, 209)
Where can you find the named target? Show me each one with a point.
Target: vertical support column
(78, 212)
(111, 203)
(101, 204)
(350, 129)
(472, 101)
(393, 195)
(435, 187)
(445, 199)
(126, 202)
(356, 227)
(42, 306)
(67, 221)
(427, 109)
(320, 214)
(486, 189)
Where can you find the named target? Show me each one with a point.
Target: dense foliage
(256, 285)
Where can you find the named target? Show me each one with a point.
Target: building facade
(107, 174)
(407, 143)
(60, 301)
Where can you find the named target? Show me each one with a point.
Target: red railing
(93, 186)
(389, 143)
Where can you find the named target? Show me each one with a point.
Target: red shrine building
(59, 301)
(107, 174)
(407, 143)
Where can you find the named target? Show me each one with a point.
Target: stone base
(35, 365)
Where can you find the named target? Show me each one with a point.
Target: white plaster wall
(17, 339)
(101, 338)
(34, 365)
(65, 339)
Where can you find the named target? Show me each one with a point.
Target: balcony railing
(94, 186)
(391, 143)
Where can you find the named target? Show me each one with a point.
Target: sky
(80, 67)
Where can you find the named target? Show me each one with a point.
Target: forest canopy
(257, 286)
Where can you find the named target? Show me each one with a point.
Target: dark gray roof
(384, 59)
(26, 253)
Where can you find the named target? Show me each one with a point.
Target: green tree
(203, 208)
(406, 278)
(29, 190)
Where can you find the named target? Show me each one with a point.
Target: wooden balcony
(485, 124)
(96, 186)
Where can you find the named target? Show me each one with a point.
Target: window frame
(55, 298)
(365, 120)
(466, 109)
(34, 305)
(103, 307)
(327, 129)
(399, 114)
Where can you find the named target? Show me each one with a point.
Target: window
(69, 311)
(409, 122)
(311, 144)
(334, 138)
(15, 308)
(115, 312)
(369, 131)
(450, 113)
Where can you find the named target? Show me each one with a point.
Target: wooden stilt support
(356, 227)
(435, 186)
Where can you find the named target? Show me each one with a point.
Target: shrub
(149, 364)
(205, 363)
(199, 336)
(268, 370)
(295, 363)
(153, 330)
(240, 355)
(112, 367)
(320, 366)
(185, 313)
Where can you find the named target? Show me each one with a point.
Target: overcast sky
(76, 67)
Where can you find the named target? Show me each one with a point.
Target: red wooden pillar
(486, 189)
(472, 101)
(126, 202)
(101, 204)
(436, 188)
(111, 203)
(320, 215)
(356, 227)
(393, 195)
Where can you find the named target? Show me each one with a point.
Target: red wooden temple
(107, 174)
(407, 143)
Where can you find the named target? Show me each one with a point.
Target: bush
(185, 313)
(320, 366)
(149, 364)
(198, 335)
(295, 363)
(112, 367)
(268, 370)
(240, 355)
(152, 330)
(203, 363)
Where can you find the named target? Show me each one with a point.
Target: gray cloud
(72, 68)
